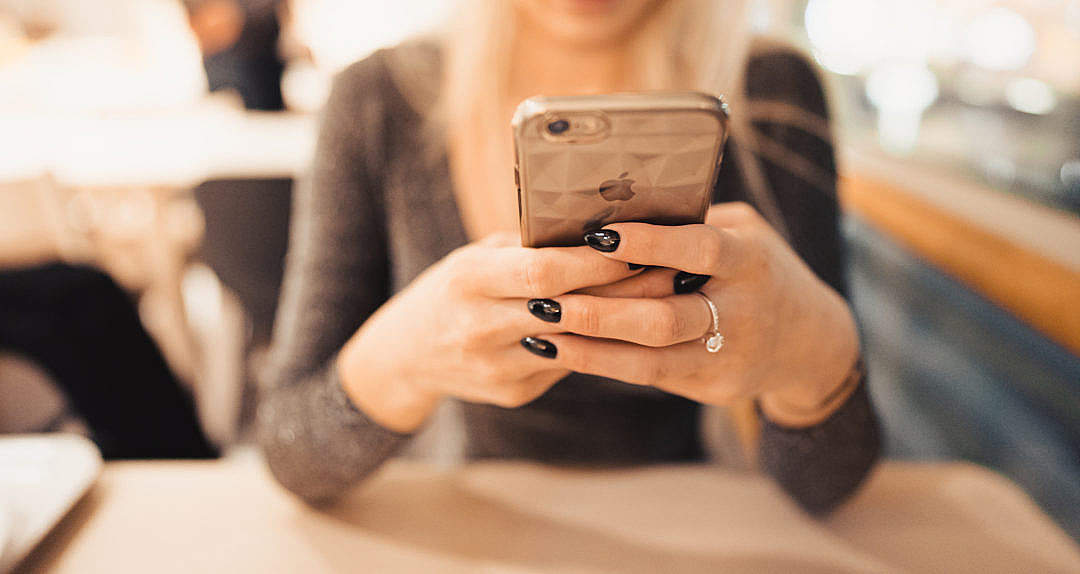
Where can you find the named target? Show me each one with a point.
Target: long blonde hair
(686, 44)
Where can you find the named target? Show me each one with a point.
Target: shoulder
(404, 78)
(369, 113)
(779, 72)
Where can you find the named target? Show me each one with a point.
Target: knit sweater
(378, 208)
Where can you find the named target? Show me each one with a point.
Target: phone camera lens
(558, 127)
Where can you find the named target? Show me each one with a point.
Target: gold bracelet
(830, 403)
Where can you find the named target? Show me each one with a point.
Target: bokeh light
(1000, 39)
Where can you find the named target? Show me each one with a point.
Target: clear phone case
(586, 161)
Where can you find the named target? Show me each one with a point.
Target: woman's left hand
(790, 339)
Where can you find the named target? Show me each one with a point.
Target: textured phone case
(657, 164)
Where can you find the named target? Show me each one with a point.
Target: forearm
(316, 442)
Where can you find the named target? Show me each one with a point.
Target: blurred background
(148, 148)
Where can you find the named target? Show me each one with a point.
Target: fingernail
(634, 266)
(545, 309)
(689, 282)
(605, 240)
(545, 349)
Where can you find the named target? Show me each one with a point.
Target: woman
(406, 287)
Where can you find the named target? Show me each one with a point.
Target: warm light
(1030, 96)
(841, 32)
(339, 32)
(1000, 39)
(849, 36)
(901, 93)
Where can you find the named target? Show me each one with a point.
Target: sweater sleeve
(822, 465)
(316, 442)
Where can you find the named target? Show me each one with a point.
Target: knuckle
(744, 211)
(755, 257)
(588, 317)
(712, 251)
(537, 274)
(457, 264)
(472, 333)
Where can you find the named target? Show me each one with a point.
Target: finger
(503, 379)
(515, 393)
(649, 322)
(686, 369)
(656, 282)
(622, 361)
(699, 248)
(547, 272)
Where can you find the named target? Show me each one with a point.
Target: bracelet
(830, 403)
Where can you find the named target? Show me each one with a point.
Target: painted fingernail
(689, 282)
(634, 266)
(545, 309)
(545, 349)
(605, 240)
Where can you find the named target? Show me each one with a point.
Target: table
(230, 516)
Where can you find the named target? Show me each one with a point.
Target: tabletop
(230, 516)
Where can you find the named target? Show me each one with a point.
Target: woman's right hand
(456, 330)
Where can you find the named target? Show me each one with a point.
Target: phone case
(650, 157)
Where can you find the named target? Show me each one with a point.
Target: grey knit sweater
(378, 209)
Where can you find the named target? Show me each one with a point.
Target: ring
(714, 341)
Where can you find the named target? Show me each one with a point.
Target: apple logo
(617, 189)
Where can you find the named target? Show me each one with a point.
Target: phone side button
(517, 184)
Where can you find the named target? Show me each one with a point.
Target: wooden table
(230, 516)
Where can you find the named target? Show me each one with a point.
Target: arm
(354, 372)
(791, 339)
(821, 463)
(316, 441)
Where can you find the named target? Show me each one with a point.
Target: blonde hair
(686, 44)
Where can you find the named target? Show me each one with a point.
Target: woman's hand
(457, 330)
(790, 338)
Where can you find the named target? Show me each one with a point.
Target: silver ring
(714, 341)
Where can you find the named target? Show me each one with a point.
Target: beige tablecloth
(230, 516)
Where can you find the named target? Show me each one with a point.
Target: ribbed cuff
(821, 465)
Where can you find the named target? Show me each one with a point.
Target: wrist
(389, 399)
(831, 379)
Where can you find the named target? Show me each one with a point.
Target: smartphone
(583, 162)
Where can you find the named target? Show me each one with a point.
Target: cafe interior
(150, 148)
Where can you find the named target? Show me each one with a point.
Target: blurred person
(405, 286)
(74, 322)
(247, 220)
(83, 330)
(239, 42)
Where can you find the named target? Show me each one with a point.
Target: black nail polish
(689, 282)
(634, 266)
(604, 240)
(540, 347)
(546, 309)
